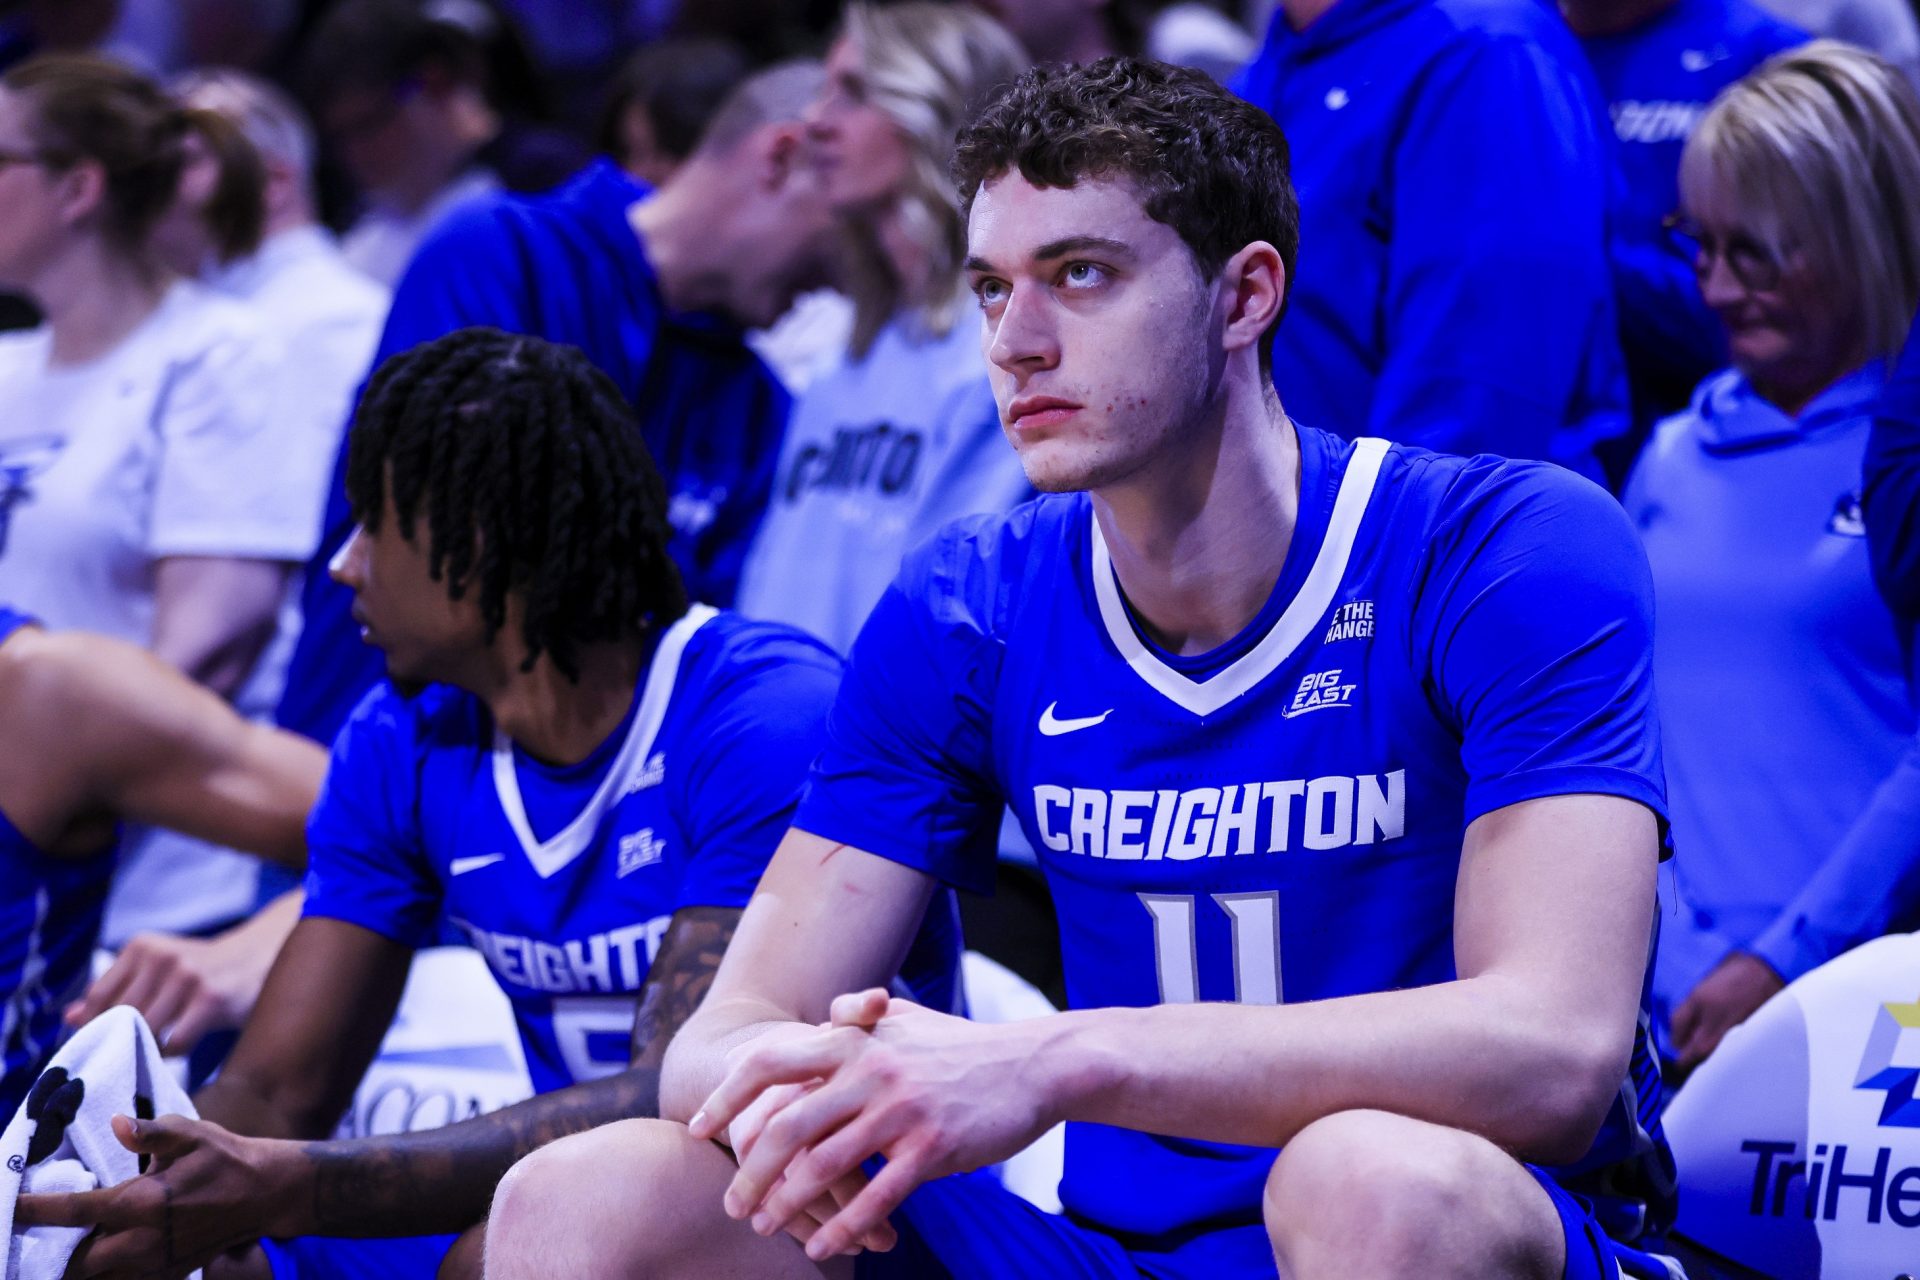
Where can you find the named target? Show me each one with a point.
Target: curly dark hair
(529, 466)
(1207, 164)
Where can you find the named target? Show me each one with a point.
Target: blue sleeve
(1535, 619)
(1868, 886)
(1891, 502)
(365, 861)
(906, 772)
(756, 741)
(1483, 355)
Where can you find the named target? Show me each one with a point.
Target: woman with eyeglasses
(1783, 683)
(145, 491)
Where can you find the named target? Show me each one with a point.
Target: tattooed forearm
(689, 956)
(443, 1179)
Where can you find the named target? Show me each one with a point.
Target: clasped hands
(804, 1108)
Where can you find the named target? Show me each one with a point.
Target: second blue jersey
(1281, 820)
(567, 883)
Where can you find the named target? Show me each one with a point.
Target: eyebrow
(1061, 248)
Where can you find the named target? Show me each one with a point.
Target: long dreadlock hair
(529, 467)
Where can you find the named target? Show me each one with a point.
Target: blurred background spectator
(904, 435)
(1783, 680)
(1659, 63)
(427, 104)
(660, 101)
(1419, 311)
(1886, 27)
(655, 288)
(157, 486)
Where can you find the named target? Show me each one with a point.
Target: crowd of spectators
(1673, 245)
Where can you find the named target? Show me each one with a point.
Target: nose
(349, 563)
(1719, 287)
(1022, 339)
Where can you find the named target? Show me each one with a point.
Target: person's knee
(602, 1201)
(1368, 1192)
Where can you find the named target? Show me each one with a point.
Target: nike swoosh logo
(460, 866)
(1054, 727)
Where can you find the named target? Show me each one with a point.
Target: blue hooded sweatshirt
(569, 267)
(1453, 168)
(1781, 674)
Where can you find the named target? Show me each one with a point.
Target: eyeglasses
(8, 159)
(1754, 265)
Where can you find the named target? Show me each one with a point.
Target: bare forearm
(230, 1102)
(696, 1061)
(443, 1179)
(1484, 1054)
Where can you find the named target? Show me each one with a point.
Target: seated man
(1354, 741)
(585, 775)
(655, 288)
(93, 733)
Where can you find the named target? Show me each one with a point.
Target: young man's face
(424, 632)
(1100, 333)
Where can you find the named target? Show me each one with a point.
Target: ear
(779, 152)
(1253, 286)
(82, 191)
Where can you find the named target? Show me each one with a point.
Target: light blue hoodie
(1781, 676)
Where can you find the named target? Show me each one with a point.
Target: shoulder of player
(733, 658)
(989, 550)
(437, 716)
(1472, 505)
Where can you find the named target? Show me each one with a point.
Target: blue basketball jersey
(1281, 819)
(566, 880)
(49, 920)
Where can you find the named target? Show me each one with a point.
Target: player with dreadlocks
(571, 765)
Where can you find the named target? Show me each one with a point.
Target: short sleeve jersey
(168, 445)
(1279, 820)
(429, 813)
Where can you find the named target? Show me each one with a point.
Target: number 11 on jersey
(1256, 945)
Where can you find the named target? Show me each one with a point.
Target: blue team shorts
(337, 1258)
(970, 1227)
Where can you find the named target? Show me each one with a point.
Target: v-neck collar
(1296, 621)
(550, 856)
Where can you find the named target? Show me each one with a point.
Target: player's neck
(559, 720)
(1198, 537)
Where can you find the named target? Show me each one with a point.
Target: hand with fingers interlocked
(932, 1093)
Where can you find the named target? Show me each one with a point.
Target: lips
(1033, 412)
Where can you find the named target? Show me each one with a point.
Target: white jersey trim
(1302, 614)
(572, 840)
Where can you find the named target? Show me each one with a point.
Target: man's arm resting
(826, 919)
(1553, 917)
(326, 1004)
(218, 1189)
(443, 1179)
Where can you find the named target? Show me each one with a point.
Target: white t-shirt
(167, 445)
(381, 243)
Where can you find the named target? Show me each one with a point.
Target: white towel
(62, 1139)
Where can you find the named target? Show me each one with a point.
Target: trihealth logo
(1892, 1063)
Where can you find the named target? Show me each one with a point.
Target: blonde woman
(903, 435)
(1781, 675)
